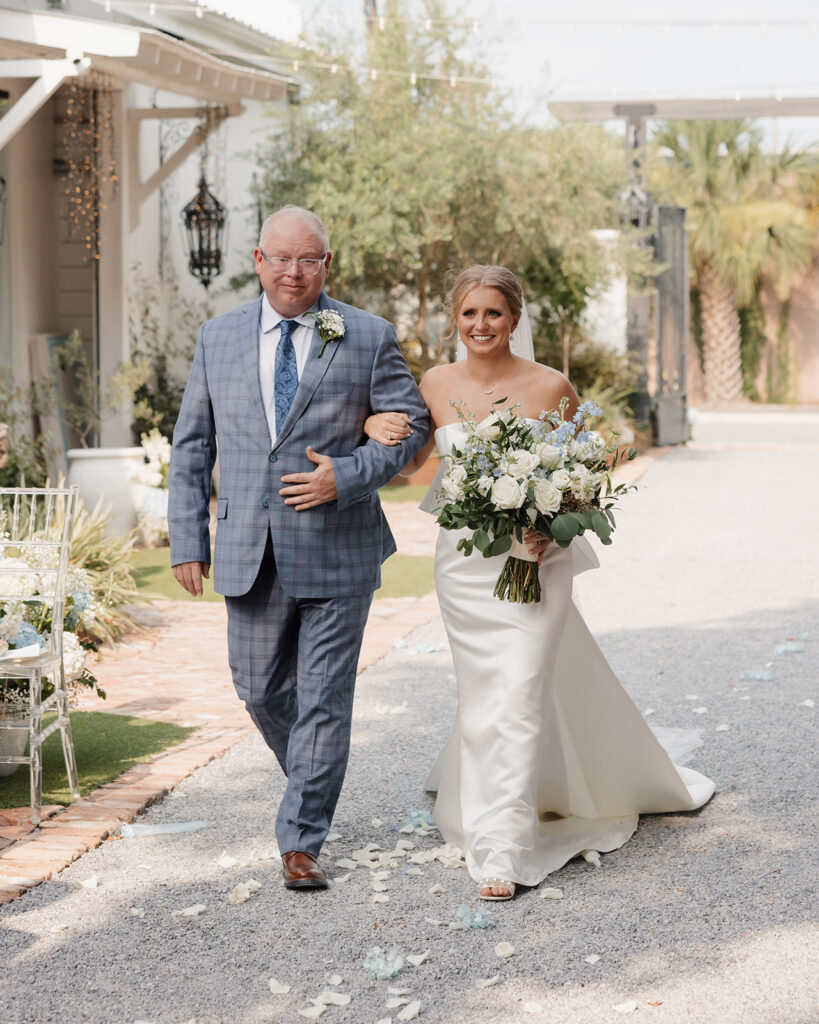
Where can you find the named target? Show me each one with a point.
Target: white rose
(560, 478)
(73, 657)
(550, 457)
(507, 493)
(521, 463)
(547, 497)
(457, 474)
(451, 490)
(484, 484)
(488, 429)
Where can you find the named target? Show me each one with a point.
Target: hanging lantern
(204, 222)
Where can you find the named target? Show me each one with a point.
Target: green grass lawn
(401, 576)
(105, 747)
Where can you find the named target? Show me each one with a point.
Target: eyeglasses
(281, 264)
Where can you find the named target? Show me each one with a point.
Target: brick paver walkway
(177, 671)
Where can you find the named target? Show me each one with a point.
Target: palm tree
(746, 218)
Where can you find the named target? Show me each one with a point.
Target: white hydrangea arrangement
(25, 622)
(152, 482)
(514, 474)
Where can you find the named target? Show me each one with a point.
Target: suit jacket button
(265, 502)
(272, 457)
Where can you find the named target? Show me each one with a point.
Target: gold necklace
(496, 385)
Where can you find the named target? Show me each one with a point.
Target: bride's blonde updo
(487, 277)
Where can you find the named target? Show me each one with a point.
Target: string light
(107, 6)
(453, 81)
(295, 65)
(413, 78)
(382, 23)
(152, 10)
(199, 12)
(715, 29)
(764, 28)
(373, 75)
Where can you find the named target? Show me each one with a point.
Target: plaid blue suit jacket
(335, 549)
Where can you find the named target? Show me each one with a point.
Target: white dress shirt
(269, 334)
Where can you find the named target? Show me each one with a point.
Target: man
(300, 533)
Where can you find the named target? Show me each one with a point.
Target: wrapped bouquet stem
(513, 474)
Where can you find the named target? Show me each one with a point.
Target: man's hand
(189, 575)
(311, 489)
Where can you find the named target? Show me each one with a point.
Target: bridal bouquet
(513, 474)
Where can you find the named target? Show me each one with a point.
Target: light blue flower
(26, 636)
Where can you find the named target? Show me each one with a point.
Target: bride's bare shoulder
(438, 378)
(554, 384)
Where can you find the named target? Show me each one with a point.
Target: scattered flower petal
(384, 1020)
(410, 1011)
(592, 856)
(628, 1007)
(700, 710)
(404, 844)
(278, 988)
(416, 959)
(380, 897)
(504, 949)
(457, 926)
(758, 676)
(346, 863)
(648, 711)
(592, 958)
(399, 709)
(90, 883)
(334, 979)
(194, 911)
(316, 1010)
(487, 982)
(532, 1008)
(790, 647)
(377, 886)
(437, 890)
(332, 837)
(226, 861)
(691, 696)
(722, 728)
(381, 965)
(808, 703)
(136, 912)
(380, 876)
(243, 891)
(551, 894)
(481, 918)
(394, 990)
(328, 998)
(432, 921)
(341, 878)
(413, 871)
(58, 928)
(376, 823)
(396, 1001)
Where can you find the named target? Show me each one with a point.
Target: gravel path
(706, 917)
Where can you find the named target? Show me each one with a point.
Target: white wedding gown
(548, 756)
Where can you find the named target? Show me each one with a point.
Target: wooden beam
(140, 190)
(48, 76)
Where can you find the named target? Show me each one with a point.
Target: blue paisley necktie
(286, 372)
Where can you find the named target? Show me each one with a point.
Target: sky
(604, 54)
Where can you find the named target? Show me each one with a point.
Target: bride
(547, 757)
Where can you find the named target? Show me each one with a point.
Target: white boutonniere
(330, 325)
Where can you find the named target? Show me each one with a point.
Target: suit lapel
(248, 356)
(312, 376)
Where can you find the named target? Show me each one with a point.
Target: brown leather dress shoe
(301, 871)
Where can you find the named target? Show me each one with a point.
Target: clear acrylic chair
(35, 537)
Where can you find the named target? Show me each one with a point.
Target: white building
(166, 74)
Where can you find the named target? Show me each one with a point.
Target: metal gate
(671, 325)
